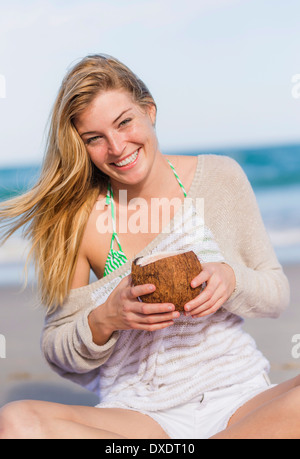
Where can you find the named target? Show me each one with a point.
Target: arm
(80, 336)
(68, 346)
(251, 283)
(262, 289)
(67, 340)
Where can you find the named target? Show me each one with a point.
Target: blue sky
(220, 70)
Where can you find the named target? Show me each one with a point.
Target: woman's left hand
(220, 284)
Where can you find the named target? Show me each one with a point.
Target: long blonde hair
(55, 211)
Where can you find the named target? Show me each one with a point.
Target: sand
(24, 374)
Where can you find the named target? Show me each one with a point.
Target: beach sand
(24, 374)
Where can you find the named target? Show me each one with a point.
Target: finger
(154, 327)
(200, 278)
(206, 306)
(212, 304)
(140, 290)
(126, 281)
(211, 310)
(206, 295)
(154, 308)
(151, 322)
(157, 318)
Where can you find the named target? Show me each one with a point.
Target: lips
(128, 160)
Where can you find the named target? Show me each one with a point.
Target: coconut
(171, 273)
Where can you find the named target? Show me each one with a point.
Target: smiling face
(119, 136)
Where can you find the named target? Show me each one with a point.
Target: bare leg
(273, 414)
(34, 419)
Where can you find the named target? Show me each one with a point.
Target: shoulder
(95, 222)
(98, 225)
(94, 243)
(222, 163)
(221, 169)
(210, 171)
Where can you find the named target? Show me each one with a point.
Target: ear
(151, 108)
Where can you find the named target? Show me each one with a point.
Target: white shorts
(205, 416)
(208, 414)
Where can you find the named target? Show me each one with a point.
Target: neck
(155, 184)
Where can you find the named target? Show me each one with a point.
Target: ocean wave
(13, 254)
(15, 181)
(266, 167)
(274, 173)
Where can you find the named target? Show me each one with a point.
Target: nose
(116, 144)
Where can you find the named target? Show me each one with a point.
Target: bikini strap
(110, 201)
(178, 179)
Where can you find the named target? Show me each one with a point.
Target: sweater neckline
(119, 272)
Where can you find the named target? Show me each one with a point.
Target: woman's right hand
(123, 311)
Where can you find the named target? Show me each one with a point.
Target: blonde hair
(55, 211)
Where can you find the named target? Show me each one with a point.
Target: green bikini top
(117, 258)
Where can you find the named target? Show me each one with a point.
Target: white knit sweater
(158, 370)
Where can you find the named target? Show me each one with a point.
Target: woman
(158, 374)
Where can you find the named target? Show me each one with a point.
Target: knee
(20, 420)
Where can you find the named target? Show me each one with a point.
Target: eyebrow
(117, 119)
(120, 116)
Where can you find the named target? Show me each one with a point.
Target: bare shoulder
(97, 219)
(97, 236)
(94, 244)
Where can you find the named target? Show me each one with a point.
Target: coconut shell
(172, 276)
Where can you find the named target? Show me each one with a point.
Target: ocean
(274, 173)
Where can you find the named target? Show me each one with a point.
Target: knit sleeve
(262, 289)
(68, 346)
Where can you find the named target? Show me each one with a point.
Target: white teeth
(128, 160)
